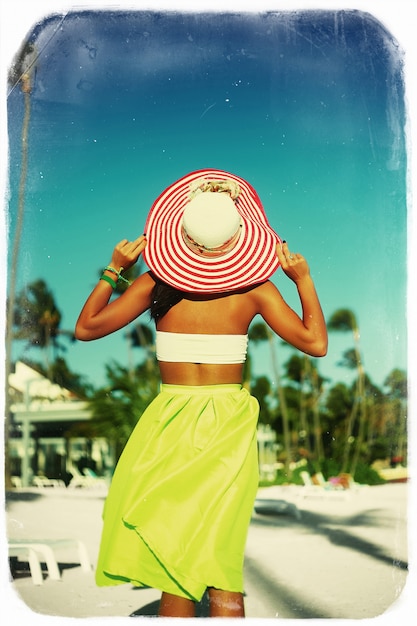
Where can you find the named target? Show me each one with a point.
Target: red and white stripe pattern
(251, 261)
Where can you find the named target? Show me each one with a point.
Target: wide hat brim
(253, 259)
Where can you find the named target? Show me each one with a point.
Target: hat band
(205, 251)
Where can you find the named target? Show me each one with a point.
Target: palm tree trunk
(361, 403)
(26, 88)
(318, 440)
(348, 438)
(303, 414)
(343, 320)
(402, 432)
(362, 421)
(283, 406)
(371, 429)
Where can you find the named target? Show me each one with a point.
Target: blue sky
(309, 107)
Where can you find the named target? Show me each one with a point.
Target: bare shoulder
(142, 286)
(144, 281)
(266, 292)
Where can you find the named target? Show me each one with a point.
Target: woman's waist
(200, 373)
(223, 388)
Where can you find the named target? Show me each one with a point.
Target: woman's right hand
(126, 253)
(293, 264)
(307, 333)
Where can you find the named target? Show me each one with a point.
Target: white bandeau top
(196, 348)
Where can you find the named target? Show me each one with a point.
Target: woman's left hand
(126, 253)
(293, 264)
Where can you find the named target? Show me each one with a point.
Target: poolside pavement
(316, 557)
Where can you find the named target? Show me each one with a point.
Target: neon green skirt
(178, 510)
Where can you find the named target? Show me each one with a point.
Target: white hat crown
(211, 219)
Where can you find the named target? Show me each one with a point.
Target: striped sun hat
(208, 233)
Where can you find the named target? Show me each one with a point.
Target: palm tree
(37, 321)
(339, 402)
(374, 408)
(316, 385)
(397, 390)
(21, 73)
(296, 372)
(117, 406)
(261, 389)
(303, 371)
(258, 333)
(344, 320)
(63, 376)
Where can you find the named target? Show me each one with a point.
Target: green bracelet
(109, 280)
(112, 270)
(118, 274)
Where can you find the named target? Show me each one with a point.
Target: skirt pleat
(178, 510)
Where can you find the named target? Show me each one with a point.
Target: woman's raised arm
(309, 333)
(100, 317)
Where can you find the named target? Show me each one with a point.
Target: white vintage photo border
(17, 17)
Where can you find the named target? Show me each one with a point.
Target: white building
(40, 443)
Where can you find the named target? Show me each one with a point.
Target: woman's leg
(175, 606)
(226, 603)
